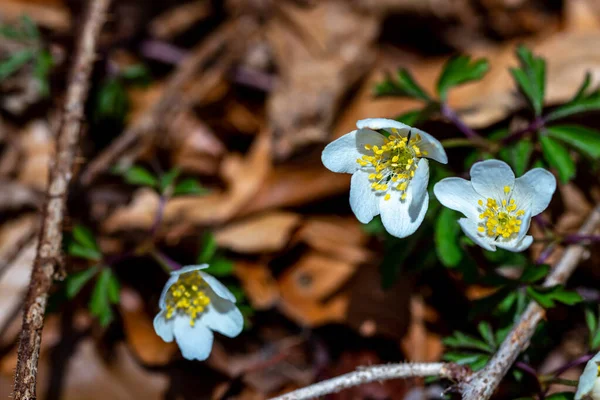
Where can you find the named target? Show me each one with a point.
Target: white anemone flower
(498, 208)
(193, 304)
(589, 382)
(390, 171)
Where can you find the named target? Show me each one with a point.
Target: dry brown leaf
(341, 238)
(289, 186)
(139, 214)
(321, 52)
(89, 377)
(420, 345)
(179, 18)
(263, 233)
(258, 283)
(37, 146)
(54, 15)
(305, 286)
(139, 331)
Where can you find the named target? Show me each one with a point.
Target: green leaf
(558, 157)
(105, 292)
(595, 342)
(507, 302)
(591, 321)
(461, 340)
(10, 32)
(75, 282)
(209, 248)
(403, 85)
(410, 117)
(518, 155)
(112, 101)
(220, 267)
(14, 62)
(137, 74)
(446, 238)
(189, 186)
(534, 273)
(459, 70)
(547, 297)
(486, 332)
(29, 28)
(561, 396)
(580, 103)
(77, 250)
(85, 237)
(541, 298)
(584, 139)
(140, 176)
(475, 361)
(167, 179)
(531, 77)
(41, 70)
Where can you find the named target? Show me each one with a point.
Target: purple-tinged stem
(459, 123)
(545, 254)
(531, 371)
(165, 261)
(163, 51)
(535, 125)
(159, 216)
(576, 362)
(575, 238)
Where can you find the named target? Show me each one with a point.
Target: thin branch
(378, 373)
(481, 385)
(49, 256)
(172, 97)
(535, 125)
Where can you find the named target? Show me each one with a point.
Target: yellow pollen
(387, 197)
(188, 296)
(403, 197)
(393, 161)
(500, 218)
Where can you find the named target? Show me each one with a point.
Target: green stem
(161, 260)
(458, 142)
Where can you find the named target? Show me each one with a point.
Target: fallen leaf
(258, 283)
(263, 233)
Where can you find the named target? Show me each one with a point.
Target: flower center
(395, 163)
(500, 218)
(188, 296)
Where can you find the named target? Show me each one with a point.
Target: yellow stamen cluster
(395, 163)
(500, 218)
(187, 296)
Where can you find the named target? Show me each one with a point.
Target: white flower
(192, 305)
(589, 383)
(389, 174)
(498, 207)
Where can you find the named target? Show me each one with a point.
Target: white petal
(470, 229)
(490, 177)
(516, 246)
(195, 341)
(341, 154)
(458, 194)
(588, 381)
(224, 317)
(219, 289)
(534, 190)
(363, 199)
(417, 188)
(189, 268)
(396, 216)
(163, 296)
(381, 123)
(163, 327)
(432, 146)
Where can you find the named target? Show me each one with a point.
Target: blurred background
(235, 100)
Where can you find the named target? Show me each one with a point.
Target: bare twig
(155, 118)
(378, 373)
(482, 385)
(48, 256)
